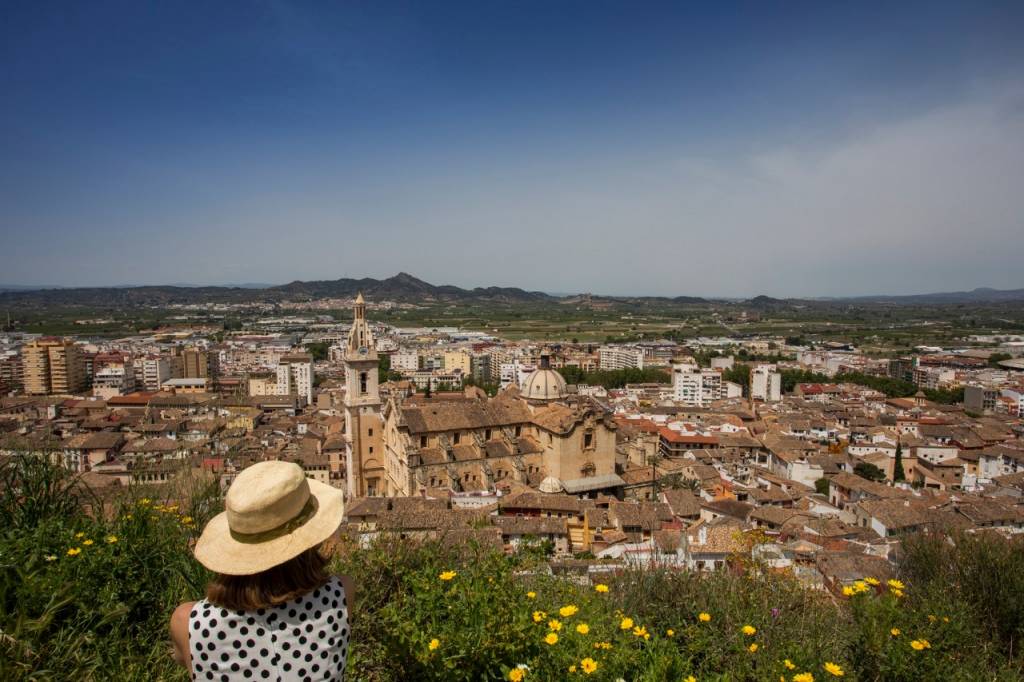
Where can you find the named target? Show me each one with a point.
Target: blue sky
(719, 149)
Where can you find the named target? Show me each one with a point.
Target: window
(371, 449)
(423, 441)
(588, 440)
(362, 382)
(519, 431)
(487, 434)
(456, 437)
(369, 433)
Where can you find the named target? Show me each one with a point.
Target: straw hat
(273, 513)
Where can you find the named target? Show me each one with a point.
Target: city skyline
(662, 150)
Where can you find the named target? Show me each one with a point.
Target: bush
(89, 597)
(86, 597)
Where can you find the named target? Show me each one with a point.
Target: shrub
(73, 609)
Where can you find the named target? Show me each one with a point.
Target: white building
(766, 384)
(112, 380)
(405, 361)
(295, 376)
(694, 386)
(151, 372)
(620, 357)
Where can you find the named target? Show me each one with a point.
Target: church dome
(544, 384)
(550, 485)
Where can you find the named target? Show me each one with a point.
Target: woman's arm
(179, 635)
(350, 592)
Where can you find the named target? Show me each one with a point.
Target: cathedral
(539, 437)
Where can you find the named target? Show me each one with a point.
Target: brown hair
(276, 585)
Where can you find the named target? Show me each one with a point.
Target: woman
(272, 612)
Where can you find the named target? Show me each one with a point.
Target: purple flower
(775, 613)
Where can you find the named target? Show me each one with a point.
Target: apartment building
(295, 376)
(405, 361)
(766, 384)
(457, 360)
(694, 386)
(52, 366)
(11, 373)
(151, 372)
(620, 357)
(195, 364)
(980, 398)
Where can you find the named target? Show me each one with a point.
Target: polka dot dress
(302, 640)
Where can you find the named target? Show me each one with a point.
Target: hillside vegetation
(88, 598)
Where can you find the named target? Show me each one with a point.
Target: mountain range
(406, 288)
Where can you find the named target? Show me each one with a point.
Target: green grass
(101, 612)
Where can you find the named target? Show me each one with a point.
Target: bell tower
(363, 439)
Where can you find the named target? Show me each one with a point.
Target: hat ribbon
(287, 527)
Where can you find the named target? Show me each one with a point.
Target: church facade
(416, 445)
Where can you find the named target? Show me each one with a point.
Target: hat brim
(226, 553)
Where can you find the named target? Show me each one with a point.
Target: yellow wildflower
(704, 617)
(79, 536)
(920, 644)
(567, 611)
(895, 632)
(516, 675)
(144, 501)
(572, 668)
(583, 628)
(74, 551)
(897, 593)
(111, 539)
(945, 619)
(555, 625)
(753, 647)
(600, 587)
(447, 575)
(640, 631)
(603, 645)
(531, 595)
(50, 557)
(538, 616)
(848, 591)
(626, 624)
(860, 586)
(874, 582)
(670, 633)
(434, 644)
(803, 677)
(931, 618)
(186, 520)
(86, 542)
(789, 664)
(588, 665)
(896, 584)
(833, 669)
(691, 678)
(749, 630)
(551, 638)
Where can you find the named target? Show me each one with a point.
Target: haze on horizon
(716, 150)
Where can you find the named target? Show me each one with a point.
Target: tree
(739, 374)
(821, 486)
(996, 358)
(897, 470)
(869, 471)
(318, 350)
